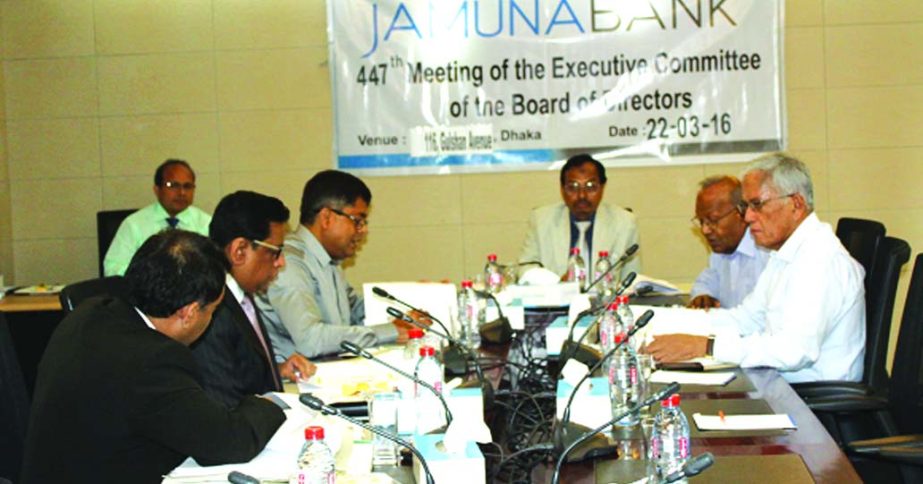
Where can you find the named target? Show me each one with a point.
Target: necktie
(172, 222)
(247, 305)
(582, 227)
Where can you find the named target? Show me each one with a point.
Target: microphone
(356, 350)
(669, 390)
(318, 405)
(499, 330)
(237, 477)
(486, 389)
(692, 467)
(640, 323)
(453, 357)
(628, 253)
(582, 353)
(387, 295)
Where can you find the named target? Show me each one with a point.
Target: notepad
(777, 421)
(692, 378)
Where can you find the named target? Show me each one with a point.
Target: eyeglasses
(359, 222)
(173, 185)
(590, 187)
(758, 204)
(275, 250)
(713, 223)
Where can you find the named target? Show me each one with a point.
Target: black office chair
(861, 237)
(901, 412)
(880, 294)
(107, 224)
(14, 407)
(74, 294)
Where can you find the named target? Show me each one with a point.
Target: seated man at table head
(311, 308)
(117, 397)
(806, 315)
(174, 187)
(736, 261)
(235, 356)
(582, 220)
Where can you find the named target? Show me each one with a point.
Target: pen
(721, 415)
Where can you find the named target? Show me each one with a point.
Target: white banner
(441, 86)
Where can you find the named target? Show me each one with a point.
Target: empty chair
(107, 224)
(861, 237)
(74, 294)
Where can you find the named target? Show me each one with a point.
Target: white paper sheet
(692, 378)
(744, 422)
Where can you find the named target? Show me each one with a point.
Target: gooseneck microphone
(486, 388)
(499, 330)
(640, 323)
(628, 253)
(387, 295)
(570, 349)
(692, 467)
(356, 350)
(318, 405)
(669, 390)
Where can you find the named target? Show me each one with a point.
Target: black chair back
(906, 389)
(14, 406)
(107, 224)
(861, 238)
(74, 294)
(880, 293)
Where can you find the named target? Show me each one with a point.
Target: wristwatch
(710, 346)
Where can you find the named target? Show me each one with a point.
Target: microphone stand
(387, 295)
(569, 349)
(486, 388)
(352, 348)
(669, 390)
(317, 404)
(498, 331)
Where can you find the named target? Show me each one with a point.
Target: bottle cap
(414, 333)
(427, 351)
(671, 402)
(604, 253)
(315, 432)
(613, 305)
(575, 251)
(492, 257)
(619, 338)
(623, 299)
(466, 283)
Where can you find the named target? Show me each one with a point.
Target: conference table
(31, 319)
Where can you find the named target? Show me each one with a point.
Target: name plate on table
(757, 469)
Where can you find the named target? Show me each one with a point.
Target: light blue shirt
(729, 278)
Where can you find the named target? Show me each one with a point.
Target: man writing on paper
(117, 398)
(806, 315)
(736, 261)
(234, 355)
(311, 308)
(174, 187)
(581, 221)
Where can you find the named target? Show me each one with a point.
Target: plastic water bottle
(670, 437)
(493, 275)
(316, 464)
(624, 382)
(470, 315)
(412, 348)
(626, 316)
(602, 266)
(576, 268)
(430, 413)
(608, 327)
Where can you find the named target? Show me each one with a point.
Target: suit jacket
(231, 359)
(548, 240)
(116, 401)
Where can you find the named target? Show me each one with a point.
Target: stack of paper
(696, 378)
(743, 422)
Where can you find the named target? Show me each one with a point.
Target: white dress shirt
(806, 315)
(729, 278)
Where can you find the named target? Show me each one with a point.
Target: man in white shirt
(806, 315)
(736, 261)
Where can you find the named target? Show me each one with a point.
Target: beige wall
(97, 92)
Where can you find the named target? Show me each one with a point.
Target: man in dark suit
(117, 399)
(235, 355)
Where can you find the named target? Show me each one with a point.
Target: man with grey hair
(806, 315)
(736, 261)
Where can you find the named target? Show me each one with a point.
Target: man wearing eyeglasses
(736, 261)
(174, 187)
(582, 221)
(234, 355)
(806, 315)
(311, 308)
